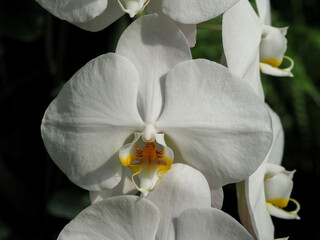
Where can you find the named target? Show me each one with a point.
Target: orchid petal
(127, 150)
(207, 224)
(193, 12)
(252, 77)
(243, 208)
(258, 222)
(75, 11)
(217, 194)
(278, 189)
(273, 46)
(85, 126)
(276, 151)
(110, 15)
(154, 45)
(189, 30)
(121, 218)
(273, 169)
(217, 122)
(251, 195)
(264, 10)
(182, 188)
(241, 34)
(125, 187)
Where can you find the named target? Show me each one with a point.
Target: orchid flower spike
(149, 103)
(95, 15)
(250, 43)
(267, 192)
(183, 214)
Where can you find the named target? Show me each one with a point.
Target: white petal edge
(194, 12)
(243, 208)
(85, 126)
(209, 223)
(260, 220)
(217, 194)
(264, 10)
(112, 13)
(124, 217)
(251, 194)
(276, 151)
(189, 30)
(74, 11)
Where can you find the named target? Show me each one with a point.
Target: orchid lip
(271, 67)
(133, 7)
(279, 212)
(149, 160)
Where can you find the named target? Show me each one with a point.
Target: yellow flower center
(147, 161)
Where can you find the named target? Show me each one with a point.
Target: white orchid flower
(266, 192)
(251, 44)
(95, 15)
(179, 210)
(87, 11)
(128, 104)
(278, 186)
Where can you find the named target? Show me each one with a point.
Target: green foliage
(209, 40)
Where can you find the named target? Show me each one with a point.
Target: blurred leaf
(209, 41)
(22, 20)
(68, 203)
(305, 42)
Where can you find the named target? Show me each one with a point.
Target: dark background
(39, 52)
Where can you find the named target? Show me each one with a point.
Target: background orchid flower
(98, 14)
(268, 190)
(179, 209)
(250, 43)
(149, 92)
